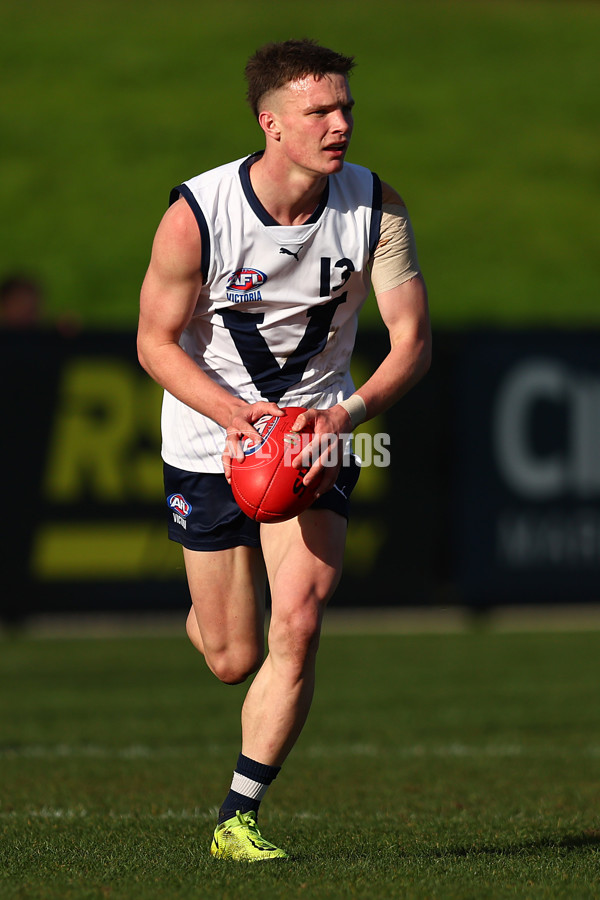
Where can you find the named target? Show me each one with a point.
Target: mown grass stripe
(315, 751)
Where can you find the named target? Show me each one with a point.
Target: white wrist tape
(356, 408)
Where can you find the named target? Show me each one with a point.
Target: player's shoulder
(178, 221)
(177, 241)
(190, 197)
(390, 196)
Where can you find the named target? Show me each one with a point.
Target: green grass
(440, 766)
(483, 115)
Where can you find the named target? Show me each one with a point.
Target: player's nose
(342, 122)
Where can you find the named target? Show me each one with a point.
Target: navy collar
(265, 217)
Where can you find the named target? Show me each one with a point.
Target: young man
(250, 303)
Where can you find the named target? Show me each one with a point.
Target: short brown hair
(274, 65)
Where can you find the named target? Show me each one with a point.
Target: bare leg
(226, 621)
(304, 559)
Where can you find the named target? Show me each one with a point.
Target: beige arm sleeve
(395, 258)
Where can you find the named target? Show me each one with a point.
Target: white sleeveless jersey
(277, 314)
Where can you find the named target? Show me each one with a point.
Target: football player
(250, 302)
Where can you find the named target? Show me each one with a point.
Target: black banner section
(526, 483)
(482, 486)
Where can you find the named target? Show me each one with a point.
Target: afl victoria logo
(246, 280)
(179, 504)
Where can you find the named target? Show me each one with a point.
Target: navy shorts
(203, 515)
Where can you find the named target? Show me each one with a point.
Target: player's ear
(269, 122)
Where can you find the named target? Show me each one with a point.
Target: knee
(234, 665)
(295, 636)
(232, 661)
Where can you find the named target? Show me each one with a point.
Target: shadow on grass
(385, 855)
(588, 838)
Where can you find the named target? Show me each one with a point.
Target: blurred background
(483, 115)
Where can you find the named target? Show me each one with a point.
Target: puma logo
(291, 252)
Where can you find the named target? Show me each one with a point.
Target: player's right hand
(240, 426)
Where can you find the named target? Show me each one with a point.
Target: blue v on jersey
(276, 317)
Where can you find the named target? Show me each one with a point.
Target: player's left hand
(324, 453)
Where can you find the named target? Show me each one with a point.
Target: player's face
(315, 119)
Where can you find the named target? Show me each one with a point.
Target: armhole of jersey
(184, 191)
(375, 214)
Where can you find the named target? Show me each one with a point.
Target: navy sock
(249, 785)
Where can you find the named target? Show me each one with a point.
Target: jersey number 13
(271, 379)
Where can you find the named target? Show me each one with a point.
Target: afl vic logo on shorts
(243, 285)
(180, 507)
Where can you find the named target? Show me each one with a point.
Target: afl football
(265, 484)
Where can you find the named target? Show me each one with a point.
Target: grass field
(483, 115)
(459, 765)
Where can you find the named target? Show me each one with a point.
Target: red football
(265, 484)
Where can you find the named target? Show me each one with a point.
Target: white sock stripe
(249, 788)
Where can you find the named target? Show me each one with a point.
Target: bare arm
(402, 299)
(404, 310)
(168, 299)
